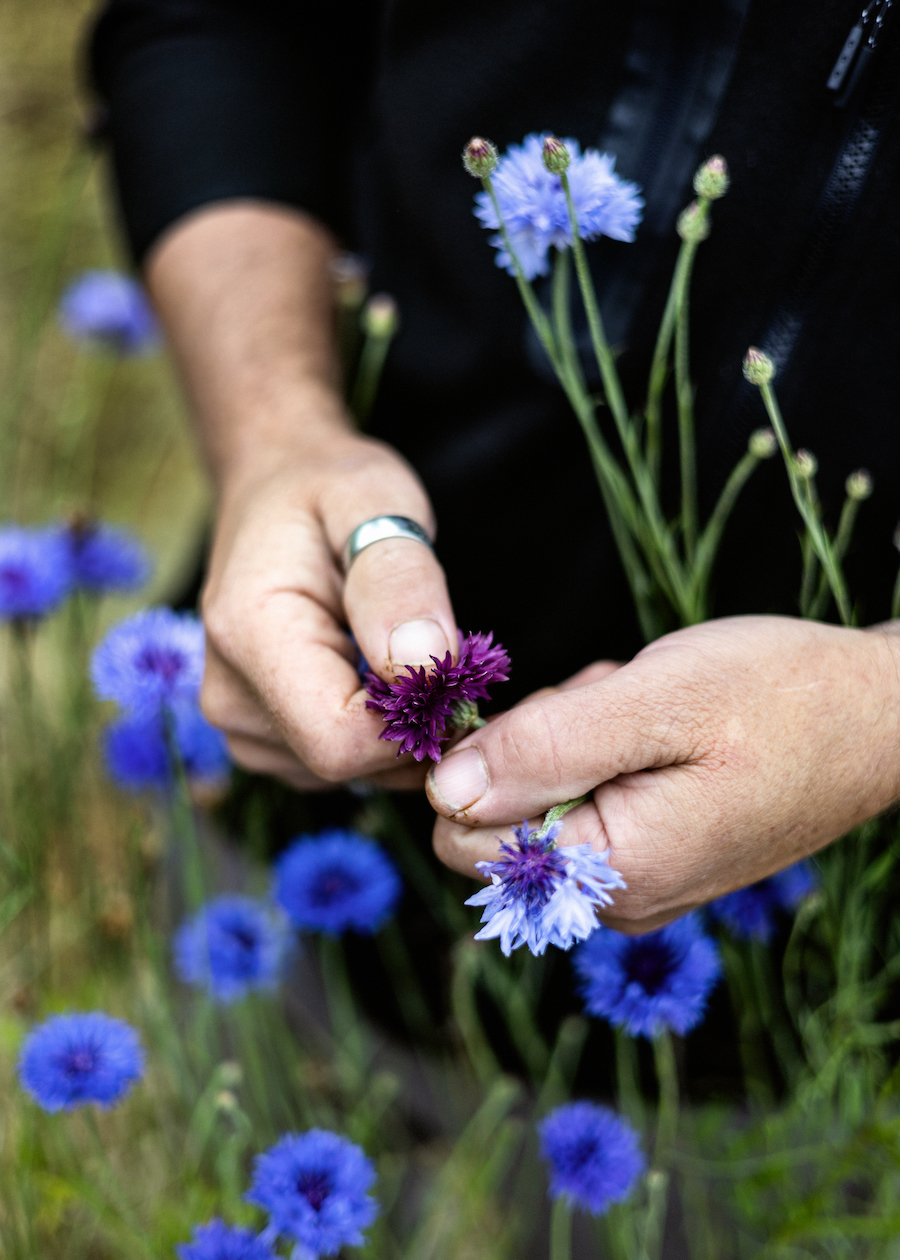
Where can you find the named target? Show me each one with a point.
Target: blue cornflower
(750, 913)
(336, 882)
(104, 558)
(150, 661)
(533, 204)
(71, 1060)
(137, 755)
(594, 1155)
(649, 983)
(232, 945)
(218, 1241)
(110, 308)
(314, 1186)
(35, 571)
(542, 895)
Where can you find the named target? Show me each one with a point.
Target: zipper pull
(857, 52)
(847, 57)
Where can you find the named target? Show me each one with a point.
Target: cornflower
(35, 572)
(138, 756)
(543, 895)
(218, 1241)
(109, 308)
(646, 984)
(418, 710)
(76, 1059)
(336, 882)
(751, 913)
(594, 1155)
(104, 558)
(150, 661)
(233, 945)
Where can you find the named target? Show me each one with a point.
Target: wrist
(884, 640)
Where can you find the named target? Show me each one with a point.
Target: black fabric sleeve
(213, 99)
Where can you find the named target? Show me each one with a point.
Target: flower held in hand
(71, 1060)
(542, 895)
(594, 1155)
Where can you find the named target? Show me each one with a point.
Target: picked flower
(315, 1187)
(646, 984)
(751, 913)
(594, 1155)
(35, 572)
(336, 882)
(72, 1060)
(218, 1241)
(532, 202)
(109, 308)
(104, 558)
(233, 945)
(419, 710)
(541, 894)
(138, 757)
(150, 661)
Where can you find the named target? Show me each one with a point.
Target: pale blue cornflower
(543, 895)
(111, 309)
(232, 946)
(151, 661)
(533, 203)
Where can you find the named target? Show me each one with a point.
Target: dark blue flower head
(232, 945)
(137, 755)
(649, 983)
(542, 895)
(418, 707)
(104, 558)
(315, 1188)
(150, 661)
(110, 308)
(336, 882)
(71, 1060)
(594, 1155)
(35, 572)
(218, 1241)
(533, 203)
(751, 913)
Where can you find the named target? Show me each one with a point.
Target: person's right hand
(281, 678)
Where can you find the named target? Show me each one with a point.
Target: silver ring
(377, 530)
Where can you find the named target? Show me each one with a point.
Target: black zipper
(859, 48)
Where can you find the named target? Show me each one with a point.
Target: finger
(590, 674)
(275, 760)
(229, 704)
(560, 747)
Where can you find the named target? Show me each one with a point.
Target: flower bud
(556, 156)
(225, 1100)
(350, 276)
(693, 224)
(807, 465)
(480, 157)
(231, 1073)
(763, 444)
(758, 367)
(380, 316)
(859, 485)
(712, 179)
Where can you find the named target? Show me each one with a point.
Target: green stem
(557, 812)
(711, 537)
(563, 1064)
(561, 1229)
(465, 1013)
(116, 1192)
(659, 372)
(183, 822)
(684, 393)
(346, 1030)
(841, 543)
(807, 510)
(895, 600)
(628, 1079)
(368, 375)
(664, 1145)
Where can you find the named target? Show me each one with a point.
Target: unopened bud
(380, 316)
(859, 485)
(693, 224)
(231, 1073)
(556, 156)
(763, 444)
(807, 464)
(480, 157)
(712, 179)
(225, 1100)
(758, 367)
(350, 276)
(465, 715)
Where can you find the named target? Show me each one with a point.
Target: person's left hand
(720, 754)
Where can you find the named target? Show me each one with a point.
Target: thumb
(559, 747)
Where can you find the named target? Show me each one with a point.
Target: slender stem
(559, 811)
(561, 1229)
(183, 823)
(807, 510)
(895, 600)
(114, 1185)
(564, 1061)
(664, 1145)
(811, 568)
(465, 1013)
(708, 543)
(368, 375)
(659, 371)
(841, 543)
(684, 392)
(627, 1078)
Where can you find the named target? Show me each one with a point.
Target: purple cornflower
(417, 709)
(110, 308)
(104, 558)
(150, 661)
(71, 1060)
(35, 572)
(137, 754)
(750, 913)
(533, 203)
(543, 895)
(594, 1155)
(645, 984)
(336, 882)
(233, 945)
(218, 1241)
(314, 1186)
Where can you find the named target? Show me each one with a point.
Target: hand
(281, 677)
(720, 754)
